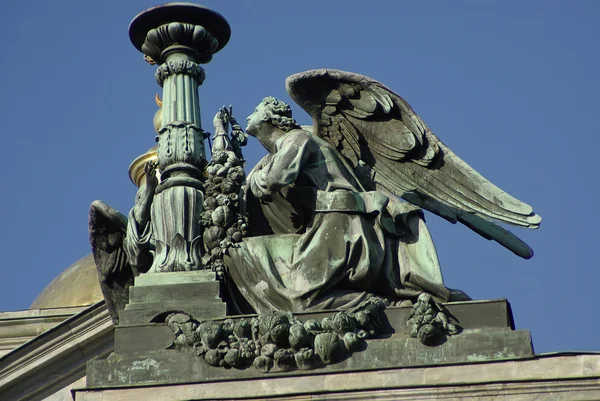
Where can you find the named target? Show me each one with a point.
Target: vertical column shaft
(179, 36)
(180, 92)
(181, 138)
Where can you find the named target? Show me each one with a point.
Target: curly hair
(279, 114)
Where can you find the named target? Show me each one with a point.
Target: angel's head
(274, 112)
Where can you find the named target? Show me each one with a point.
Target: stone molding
(186, 67)
(548, 377)
(18, 327)
(57, 357)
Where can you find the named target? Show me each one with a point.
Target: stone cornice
(57, 357)
(19, 327)
(552, 377)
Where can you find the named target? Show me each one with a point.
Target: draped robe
(321, 241)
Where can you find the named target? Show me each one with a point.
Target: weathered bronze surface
(326, 227)
(318, 223)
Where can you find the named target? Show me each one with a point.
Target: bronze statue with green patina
(322, 218)
(331, 219)
(330, 229)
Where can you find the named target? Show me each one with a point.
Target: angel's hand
(232, 120)
(145, 195)
(221, 119)
(151, 178)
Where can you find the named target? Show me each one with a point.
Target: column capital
(179, 28)
(186, 67)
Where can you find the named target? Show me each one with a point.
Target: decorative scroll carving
(278, 339)
(181, 142)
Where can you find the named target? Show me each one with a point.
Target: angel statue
(318, 223)
(326, 227)
(121, 246)
(124, 247)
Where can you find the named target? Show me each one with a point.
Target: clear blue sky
(510, 86)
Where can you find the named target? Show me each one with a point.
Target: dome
(136, 168)
(77, 285)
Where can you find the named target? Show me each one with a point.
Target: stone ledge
(183, 366)
(174, 292)
(57, 357)
(487, 335)
(30, 323)
(196, 276)
(144, 337)
(556, 377)
(141, 314)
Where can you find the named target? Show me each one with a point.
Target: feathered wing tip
(491, 231)
(370, 124)
(107, 231)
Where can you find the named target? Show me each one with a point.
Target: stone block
(195, 276)
(147, 312)
(183, 366)
(195, 293)
(488, 335)
(142, 338)
(174, 292)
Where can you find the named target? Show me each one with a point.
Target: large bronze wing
(371, 125)
(107, 228)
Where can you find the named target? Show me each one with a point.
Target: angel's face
(255, 119)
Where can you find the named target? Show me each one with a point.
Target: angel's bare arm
(144, 196)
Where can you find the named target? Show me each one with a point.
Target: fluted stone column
(179, 37)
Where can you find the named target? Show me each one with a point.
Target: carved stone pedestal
(155, 295)
(146, 355)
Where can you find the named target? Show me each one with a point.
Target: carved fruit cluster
(278, 339)
(224, 225)
(429, 322)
